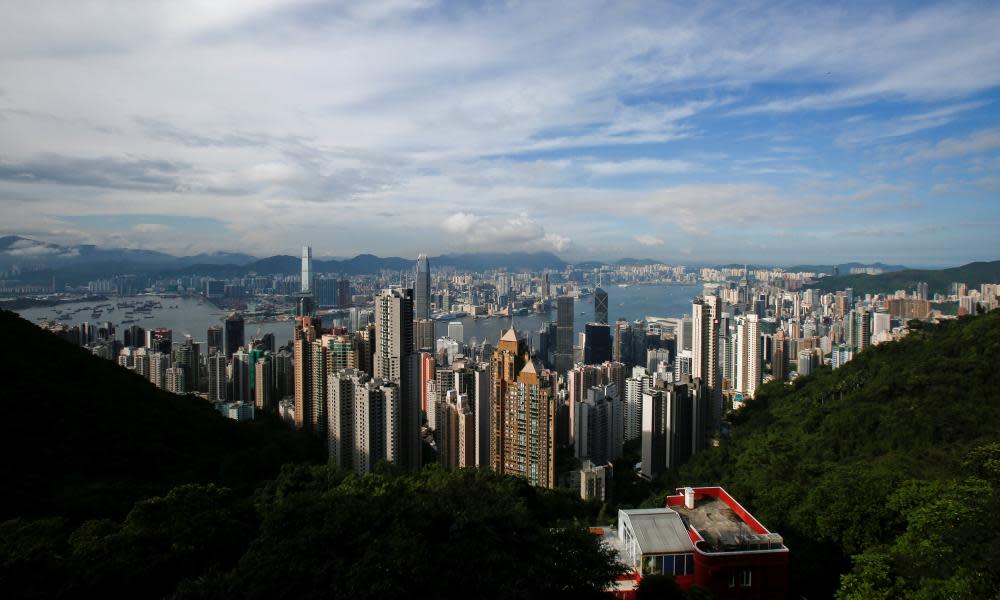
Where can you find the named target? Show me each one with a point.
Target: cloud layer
(397, 127)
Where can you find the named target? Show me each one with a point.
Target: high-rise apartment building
(704, 350)
(522, 407)
(217, 378)
(672, 426)
(174, 380)
(396, 362)
(306, 332)
(748, 355)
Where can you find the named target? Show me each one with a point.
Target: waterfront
(194, 317)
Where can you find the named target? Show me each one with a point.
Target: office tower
(240, 376)
(423, 335)
(264, 384)
(188, 357)
(326, 292)
(422, 289)
(396, 362)
(174, 380)
(482, 388)
(748, 355)
(284, 374)
(621, 349)
(704, 351)
(218, 381)
(343, 293)
(456, 331)
(135, 336)
(307, 270)
(563, 358)
(670, 427)
(779, 356)
(158, 364)
(599, 433)
(600, 306)
(160, 340)
(304, 335)
(597, 345)
(214, 339)
(234, 333)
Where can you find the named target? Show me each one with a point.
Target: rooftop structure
(701, 537)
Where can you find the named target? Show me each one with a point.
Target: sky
(786, 133)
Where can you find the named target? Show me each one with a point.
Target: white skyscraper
(748, 354)
(307, 269)
(705, 352)
(456, 331)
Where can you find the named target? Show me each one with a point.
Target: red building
(701, 537)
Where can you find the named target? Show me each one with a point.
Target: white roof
(658, 530)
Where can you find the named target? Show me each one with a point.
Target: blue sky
(782, 133)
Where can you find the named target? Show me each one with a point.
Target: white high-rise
(705, 352)
(307, 269)
(748, 355)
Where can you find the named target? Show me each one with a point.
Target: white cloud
(640, 166)
(648, 240)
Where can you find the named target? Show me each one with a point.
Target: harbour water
(192, 316)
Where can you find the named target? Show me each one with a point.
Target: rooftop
(659, 530)
(724, 524)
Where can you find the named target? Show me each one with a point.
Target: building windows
(741, 577)
(677, 565)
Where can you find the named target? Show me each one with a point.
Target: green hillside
(893, 459)
(91, 438)
(113, 488)
(938, 281)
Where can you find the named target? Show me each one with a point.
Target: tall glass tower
(422, 289)
(307, 269)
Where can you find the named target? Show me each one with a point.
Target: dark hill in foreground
(893, 459)
(83, 436)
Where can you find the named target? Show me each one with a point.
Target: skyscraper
(748, 355)
(422, 289)
(705, 352)
(307, 270)
(306, 332)
(215, 339)
(563, 358)
(396, 362)
(597, 344)
(217, 378)
(234, 333)
(600, 306)
(670, 427)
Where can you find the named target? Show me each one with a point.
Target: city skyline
(830, 134)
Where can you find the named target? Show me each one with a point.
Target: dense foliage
(885, 470)
(83, 437)
(113, 488)
(938, 281)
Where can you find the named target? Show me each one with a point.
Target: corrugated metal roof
(659, 530)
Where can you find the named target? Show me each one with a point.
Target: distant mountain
(637, 261)
(31, 254)
(938, 281)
